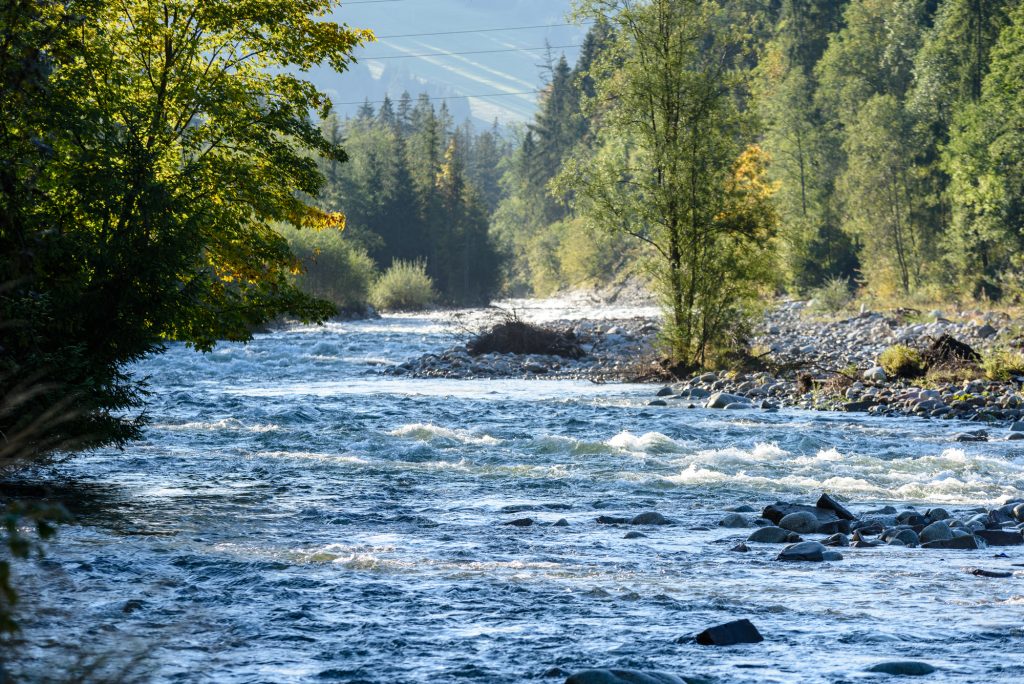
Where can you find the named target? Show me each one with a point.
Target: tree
(672, 170)
(883, 198)
(147, 148)
(985, 160)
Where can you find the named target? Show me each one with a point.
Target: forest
(891, 135)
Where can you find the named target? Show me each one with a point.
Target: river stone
(837, 540)
(974, 436)
(665, 391)
(826, 502)
(876, 374)
(1018, 512)
(739, 548)
(562, 522)
(657, 402)
(625, 677)
(734, 520)
(1001, 537)
(906, 668)
(769, 535)
(936, 514)
(801, 522)
(747, 509)
(520, 522)
(905, 537)
(780, 509)
(803, 551)
(729, 634)
(1015, 437)
(650, 518)
(969, 542)
(937, 531)
(633, 534)
(721, 400)
(994, 574)
(1018, 426)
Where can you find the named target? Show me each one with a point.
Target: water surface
(294, 516)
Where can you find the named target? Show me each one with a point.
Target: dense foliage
(147, 146)
(417, 188)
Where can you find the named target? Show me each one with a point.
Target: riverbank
(807, 361)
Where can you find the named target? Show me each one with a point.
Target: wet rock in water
(562, 522)
(972, 436)
(635, 535)
(744, 509)
(803, 551)
(936, 514)
(937, 531)
(734, 520)
(837, 540)
(520, 522)
(740, 548)
(1018, 512)
(729, 634)
(801, 522)
(905, 537)
(885, 510)
(657, 402)
(626, 677)
(1001, 537)
(780, 509)
(611, 520)
(1015, 437)
(967, 542)
(906, 668)
(665, 391)
(995, 574)
(771, 535)
(650, 518)
(826, 502)
(721, 400)
(1017, 426)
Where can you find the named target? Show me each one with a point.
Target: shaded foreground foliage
(145, 149)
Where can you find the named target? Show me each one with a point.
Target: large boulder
(1001, 537)
(968, 542)
(801, 522)
(937, 531)
(720, 400)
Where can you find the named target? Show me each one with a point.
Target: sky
(388, 67)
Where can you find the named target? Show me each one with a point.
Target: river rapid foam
(295, 515)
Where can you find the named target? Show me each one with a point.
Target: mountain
(518, 68)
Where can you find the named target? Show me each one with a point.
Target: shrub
(833, 296)
(1003, 365)
(403, 287)
(335, 269)
(900, 361)
(514, 336)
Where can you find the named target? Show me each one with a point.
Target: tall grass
(404, 287)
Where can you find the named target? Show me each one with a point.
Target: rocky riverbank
(808, 362)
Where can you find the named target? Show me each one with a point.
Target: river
(294, 515)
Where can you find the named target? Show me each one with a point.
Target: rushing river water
(295, 516)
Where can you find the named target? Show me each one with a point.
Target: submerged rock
(967, 542)
(730, 634)
(937, 531)
(826, 502)
(734, 520)
(906, 668)
(633, 534)
(996, 574)
(804, 551)
(772, 535)
(611, 520)
(650, 518)
(721, 400)
(520, 522)
(740, 548)
(628, 677)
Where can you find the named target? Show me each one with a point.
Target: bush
(1003, 365)
(900, 361)
(403, 287)
(335, 269)
(833, 296)
(514, 336)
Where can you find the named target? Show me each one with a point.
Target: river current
(294, 515)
